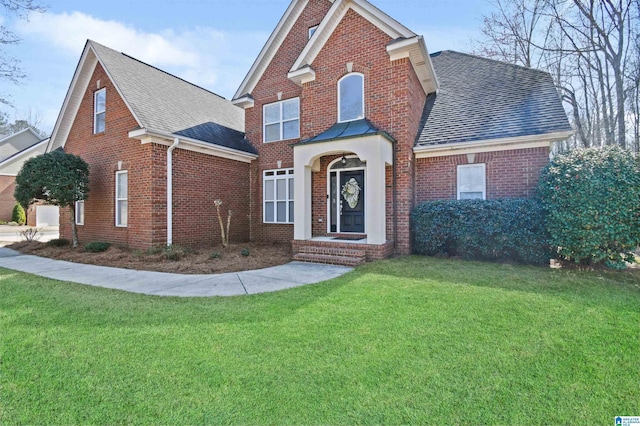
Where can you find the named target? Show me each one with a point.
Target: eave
(163, 138)
(490, 145)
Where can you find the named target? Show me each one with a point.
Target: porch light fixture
(344, 160)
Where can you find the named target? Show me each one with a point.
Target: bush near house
(513, 230)
(18, 216)
(593, 200)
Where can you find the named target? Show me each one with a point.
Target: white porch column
(375, 200)
(302, 194)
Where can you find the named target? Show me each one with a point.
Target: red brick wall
(274, 81)
(198, 179)
(510, 174)
(393, 102)
(7, 187)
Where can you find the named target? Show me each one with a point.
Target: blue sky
(211, 43)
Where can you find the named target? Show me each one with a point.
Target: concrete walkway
(293, 274)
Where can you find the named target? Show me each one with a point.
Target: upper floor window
(99, 108)
(472, 182)
(281, 120)
(351, 97)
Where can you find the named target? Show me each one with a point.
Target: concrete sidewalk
(293, 274)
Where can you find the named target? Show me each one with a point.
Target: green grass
(410, 340)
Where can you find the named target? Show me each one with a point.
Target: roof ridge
(158, 69)
(470, 55)
(174, 76)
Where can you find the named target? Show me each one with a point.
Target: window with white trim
(80, 212)
(278, 196)
(99, 110)
(472, 182)
(312, 31)
(122, 198)
(281, 120)
(351, 97)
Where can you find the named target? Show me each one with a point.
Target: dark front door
(352, 201)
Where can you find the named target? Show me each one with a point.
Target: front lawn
(410, 340)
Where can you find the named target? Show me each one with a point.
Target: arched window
(351, 97)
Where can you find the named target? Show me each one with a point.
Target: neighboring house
(348, 124)
(14, 151)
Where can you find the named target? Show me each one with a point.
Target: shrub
(245, 252)
(174, 252)
(593, 200)
(215, 255)
(97, 247)
(58, 242)
(18, 215)
(12, 223)
(511, 230)
(31, 234)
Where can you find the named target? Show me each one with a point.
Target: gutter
(176, 141)
(217, 150)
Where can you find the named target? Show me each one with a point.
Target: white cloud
(69, 31)
(213, 59)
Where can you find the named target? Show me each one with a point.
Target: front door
(351, 196)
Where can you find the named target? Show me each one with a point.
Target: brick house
(348, 123)
(15, 149)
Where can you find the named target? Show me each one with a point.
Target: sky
(211, 43)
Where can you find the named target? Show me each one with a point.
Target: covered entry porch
(340, 195)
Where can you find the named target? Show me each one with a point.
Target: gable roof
(12, 144)
(159, 101)
(405, 44)
(275, 40)
(483, 99)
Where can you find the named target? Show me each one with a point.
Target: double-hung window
(80, 212)
(122, 198)
(351, 97)
(472, 182)
(99, 110)
(278, 196)
(282, 120)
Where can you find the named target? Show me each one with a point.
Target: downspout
(176, 141)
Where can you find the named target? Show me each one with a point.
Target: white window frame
(80, 212)
(481, 166)
(312, 31)
(97, 112)
(280, 121)
(340, 120)
(119, 199)
(274, 176)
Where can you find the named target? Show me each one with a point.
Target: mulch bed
(197, 261)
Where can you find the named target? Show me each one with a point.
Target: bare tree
(9, 66)
(590, 47)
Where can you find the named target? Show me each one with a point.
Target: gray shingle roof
(166, 103)
(481, 99)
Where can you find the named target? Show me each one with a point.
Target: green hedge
(593, 200)
(505, 230)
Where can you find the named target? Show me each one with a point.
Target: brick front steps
(339, 252)
(331, 255)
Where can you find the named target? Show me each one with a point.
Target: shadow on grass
(521, 278)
